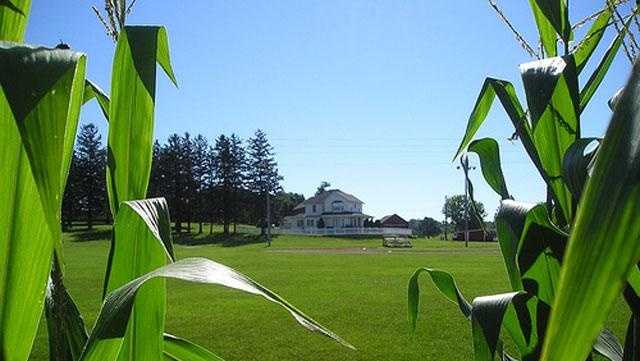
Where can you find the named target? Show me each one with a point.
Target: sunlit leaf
(14, 15)
(488, 151)
(178, 349)
(604, 239)
(131, 110)
(109, 330)
(41, 92)
(445, 283)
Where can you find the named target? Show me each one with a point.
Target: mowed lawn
(353, 286)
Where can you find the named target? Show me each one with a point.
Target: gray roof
(322, 196)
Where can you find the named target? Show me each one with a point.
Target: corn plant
(567, 258)
(41, 93)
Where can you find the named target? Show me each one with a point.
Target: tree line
(228, 182)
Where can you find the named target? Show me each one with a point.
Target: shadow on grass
(232, 240)
(85, 235)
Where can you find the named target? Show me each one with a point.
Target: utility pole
(464, 165)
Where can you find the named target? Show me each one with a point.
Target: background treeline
(228, 181)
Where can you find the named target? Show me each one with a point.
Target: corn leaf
(576, 165)
(142, 243)
(607, 345)
(486, 322)
(65, 326)
(601, 70)
(592, 38)
(540, 252)
(550, 16)
(178, 349)
(41, 92)
(131, 110)
(445, 283)
(14, 15)
(510, 221)
(489, 153)
(605, 236)
(109, 330)
(552, 96)
(507, 95)
(93, 91)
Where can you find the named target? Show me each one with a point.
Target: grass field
(359, 294)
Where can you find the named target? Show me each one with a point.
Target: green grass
(361, 295)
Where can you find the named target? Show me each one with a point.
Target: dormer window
(337, 206)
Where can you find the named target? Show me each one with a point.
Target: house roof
(322, 196)
(386, 218)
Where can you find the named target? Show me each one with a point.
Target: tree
(263, 178)
(72, 194)
(285, 202)
(200, 169)
(229, 165)
(91, 163)
(428, 226)
(323, 187)
(455, 209)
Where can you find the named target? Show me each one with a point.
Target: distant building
(394, 221)
(333, 212)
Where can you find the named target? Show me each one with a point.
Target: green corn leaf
(576, 164)
(178, 349)
(540, 252)
(604, 238)
(93, 91)
(142, 243)
(486, 322)
(445, 283)
(556, 13)
(14, 15)
(40, 89)
(510, 221)
(588, 45)
(65, 326)
(131, 110)
(613, 101)
(489, 153)
(507, 95)
(551, 86)
(601, 70)
(552, 21)
(608, 345)
(111, 325)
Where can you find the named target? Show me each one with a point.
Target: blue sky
(372, 96)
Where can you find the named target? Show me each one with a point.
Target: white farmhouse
(334, 212)
(332, 209)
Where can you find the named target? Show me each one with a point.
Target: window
(337, 206)
(314, 208)
(310, 223)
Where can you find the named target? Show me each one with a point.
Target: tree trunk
(225, 228)
(89, 219)
(211, 228)
(235, 228)
(268, 220)
(200, 228)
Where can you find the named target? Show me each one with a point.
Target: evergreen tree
(263, 178)
(91, 167)
(200, 166)
(188, 181)
(229, 165)
(72, 194)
